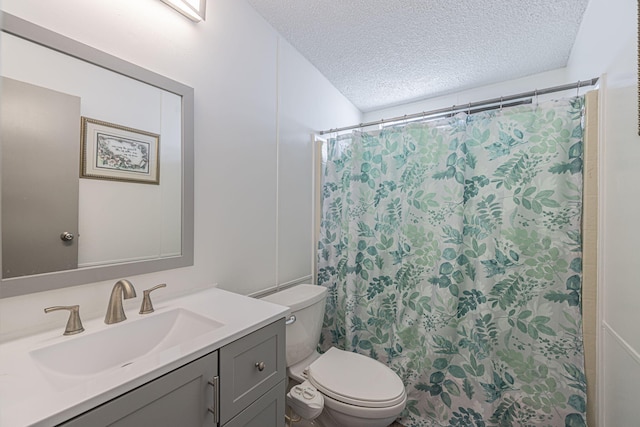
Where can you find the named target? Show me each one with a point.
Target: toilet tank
(307, 303)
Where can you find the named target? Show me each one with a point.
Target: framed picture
(114, 152)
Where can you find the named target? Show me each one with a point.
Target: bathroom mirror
(126, 226)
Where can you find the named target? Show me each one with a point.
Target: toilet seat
(359, 381)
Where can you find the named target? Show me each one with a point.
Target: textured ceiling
(385, 52)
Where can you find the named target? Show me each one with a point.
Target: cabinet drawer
(241, 380)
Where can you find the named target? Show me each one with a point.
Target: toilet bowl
(357, 391)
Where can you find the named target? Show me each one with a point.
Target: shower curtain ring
(469, 109)
(578, 88)
(536, 95)
(500, 103)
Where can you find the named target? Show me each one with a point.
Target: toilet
(337, 388)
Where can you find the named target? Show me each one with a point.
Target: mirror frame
(48, 281)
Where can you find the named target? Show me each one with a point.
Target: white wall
(256, 103)
(607, 43)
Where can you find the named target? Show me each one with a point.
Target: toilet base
(338, 414)
(330, 418)
(294, 420)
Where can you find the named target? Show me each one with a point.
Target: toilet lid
(356, 379)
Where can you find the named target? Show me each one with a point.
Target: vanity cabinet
(249, 375)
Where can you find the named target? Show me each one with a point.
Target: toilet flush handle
(291, 320)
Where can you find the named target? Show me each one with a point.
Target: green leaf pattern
(452, 253)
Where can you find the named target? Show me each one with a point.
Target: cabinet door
(179, 398)
(249, 367)
(267, 411)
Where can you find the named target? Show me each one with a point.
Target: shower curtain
(451, 251)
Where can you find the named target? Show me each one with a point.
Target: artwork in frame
(114, 152)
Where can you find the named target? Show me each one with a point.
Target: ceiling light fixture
(192, 9)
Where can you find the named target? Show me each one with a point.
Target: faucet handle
(74, 324)
(147, 306)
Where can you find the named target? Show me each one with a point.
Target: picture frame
(118, 153)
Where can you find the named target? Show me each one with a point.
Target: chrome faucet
(115, 313)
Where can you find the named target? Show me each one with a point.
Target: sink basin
(119, 345)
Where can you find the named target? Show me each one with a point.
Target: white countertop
(28, 397)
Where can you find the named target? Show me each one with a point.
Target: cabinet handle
(260, 366)
(215, 410)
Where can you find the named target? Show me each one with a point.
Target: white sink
(47, 378)
(120, 345)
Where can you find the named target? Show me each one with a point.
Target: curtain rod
(471, 105)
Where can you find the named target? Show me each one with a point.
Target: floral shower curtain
(452, 253)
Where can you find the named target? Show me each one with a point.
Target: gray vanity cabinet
(179, 398)
(251, 380)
